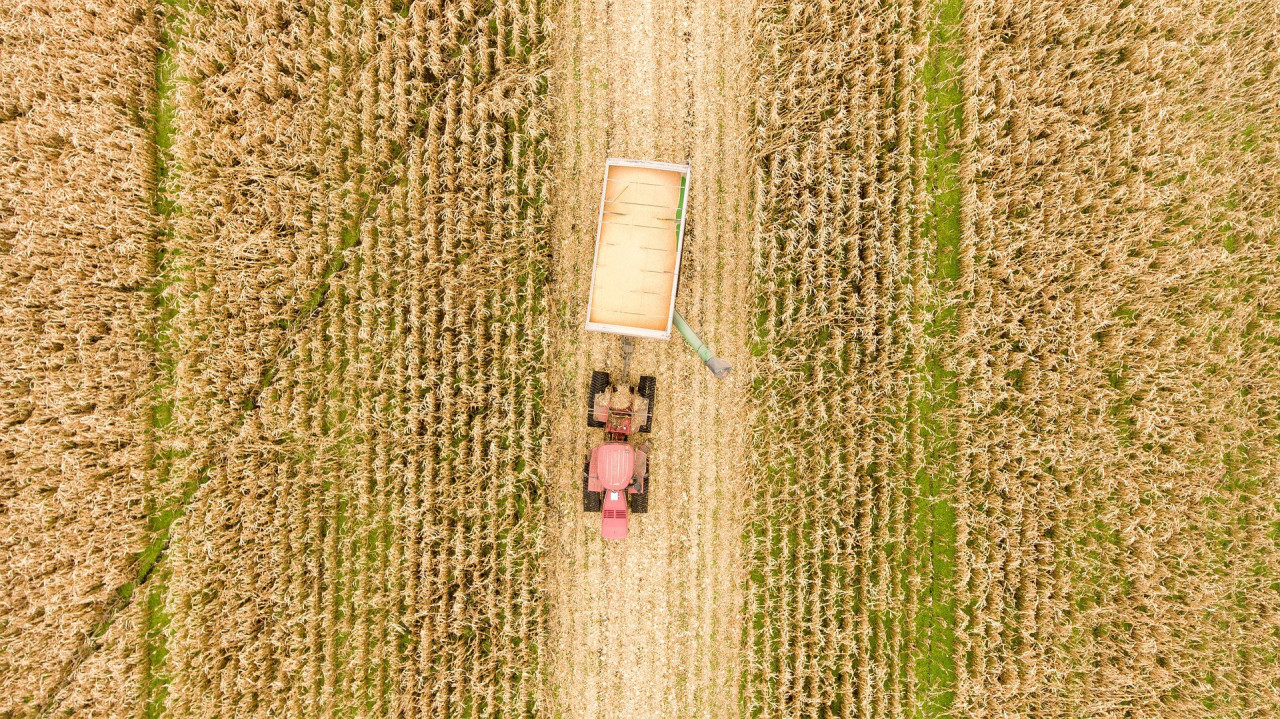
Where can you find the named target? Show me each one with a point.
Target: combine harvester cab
(634, 278)
(616, 471)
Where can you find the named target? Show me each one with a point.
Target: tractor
(615, 474)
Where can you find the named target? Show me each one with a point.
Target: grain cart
(634, 277)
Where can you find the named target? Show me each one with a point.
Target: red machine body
(611, 472)
(615, 475)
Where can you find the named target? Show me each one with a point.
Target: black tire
(599, 383)
(648, 390)
(591, 501)
(640, 500)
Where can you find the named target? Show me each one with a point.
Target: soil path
(650, 626)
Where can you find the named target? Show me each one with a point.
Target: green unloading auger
(718, 367)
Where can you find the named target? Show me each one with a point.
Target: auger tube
(718, 367)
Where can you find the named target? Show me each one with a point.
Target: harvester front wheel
(640, 500)
(648, 390)
(591, 501)
(599, 383)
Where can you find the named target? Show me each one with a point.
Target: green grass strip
(935, 523)
(153, 573)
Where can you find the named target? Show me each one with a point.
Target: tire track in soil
(651, 625)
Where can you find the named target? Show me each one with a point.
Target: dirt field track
(293, 369)
(652, 627)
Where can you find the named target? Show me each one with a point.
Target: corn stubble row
(360, 263)
(834, 587)
(1116, 360)
(76, 235)
(1112, 432)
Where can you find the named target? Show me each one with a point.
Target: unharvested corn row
(366, 532)
(77, 237)
(1117, 359)
(831, 574)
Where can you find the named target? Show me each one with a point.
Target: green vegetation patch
(935, 516)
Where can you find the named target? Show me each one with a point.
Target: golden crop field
(294, 365)
(835, 587)
(1115, 356)
(358, 275)
(76, 262)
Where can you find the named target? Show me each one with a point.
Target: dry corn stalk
(76, 236)
(362, 400)
(834, 196)
(1115, 361)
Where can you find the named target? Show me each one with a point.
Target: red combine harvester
(615, 475)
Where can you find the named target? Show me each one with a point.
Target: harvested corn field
(358, 280)
(1116, 357)
(76, 265)
(296, 364)
(650, 625)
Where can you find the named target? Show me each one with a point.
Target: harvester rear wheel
(640, 500)
(648, 390)
(591, 501)
(599, 383)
